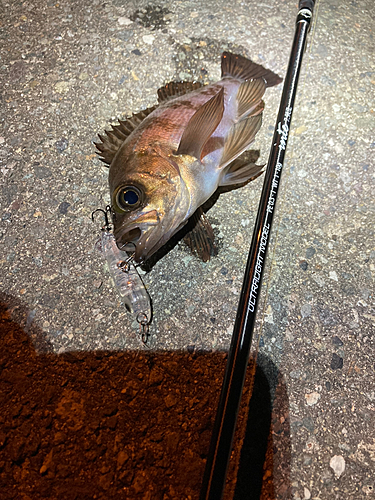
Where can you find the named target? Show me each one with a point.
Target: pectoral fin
(241, 170)
(201, 126)
(200, 239)
(249, 96)
(239, 137)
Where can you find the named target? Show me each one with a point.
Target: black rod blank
(225, 423)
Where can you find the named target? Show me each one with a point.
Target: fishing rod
(226, 417)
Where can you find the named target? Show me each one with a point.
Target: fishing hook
(108, 210)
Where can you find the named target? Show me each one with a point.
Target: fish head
(149, 201)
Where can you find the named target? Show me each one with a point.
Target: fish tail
(241, 68)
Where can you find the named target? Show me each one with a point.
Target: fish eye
(128, 198)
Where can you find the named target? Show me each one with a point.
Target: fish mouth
(141, 243)
(134, 238)
(127, 241)
(142, 238)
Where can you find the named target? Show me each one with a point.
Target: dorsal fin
(112, 141)
(175, 89)
(201, 126)
(239, 67)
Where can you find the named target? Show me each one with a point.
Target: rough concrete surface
(70, 68)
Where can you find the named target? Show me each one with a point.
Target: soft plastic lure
(127, 280)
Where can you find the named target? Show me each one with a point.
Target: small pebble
(149, 39)
(337, 341)
(337, 463)
(62, 87)
(336, 362)
(333, 275)
(63, 207)
(42, 172)
(312, 398)
(310, 252)
(124, 21)
(306, 310)
(61, 144)
(190, 349)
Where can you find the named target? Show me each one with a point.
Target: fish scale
(168, 122)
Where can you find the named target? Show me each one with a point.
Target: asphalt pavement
(68, 70)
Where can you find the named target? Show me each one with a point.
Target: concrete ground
(68, 68)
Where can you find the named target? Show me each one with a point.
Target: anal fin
(201, 238)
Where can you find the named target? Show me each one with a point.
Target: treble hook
(107, 225)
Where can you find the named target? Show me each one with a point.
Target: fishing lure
(126, 278)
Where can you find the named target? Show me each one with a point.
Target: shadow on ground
(264, 470)
(124, 425)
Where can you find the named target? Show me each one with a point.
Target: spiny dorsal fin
(113, 140)
(239, 138)
(239, 67)
(201, 126)
(249, 96)
(201, 238)
(175, 89)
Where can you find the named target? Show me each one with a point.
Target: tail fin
(239, 67)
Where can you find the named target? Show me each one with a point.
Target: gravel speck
(336, 362)
(337, 341)
(63, 207)
(310, 252)
(61, 144)
(42, 172)
(304, 265)
(337, 463)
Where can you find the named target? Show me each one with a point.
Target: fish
(166, 161)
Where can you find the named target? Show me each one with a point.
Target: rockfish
(167, 161)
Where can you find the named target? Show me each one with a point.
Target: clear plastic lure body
(128, 282)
